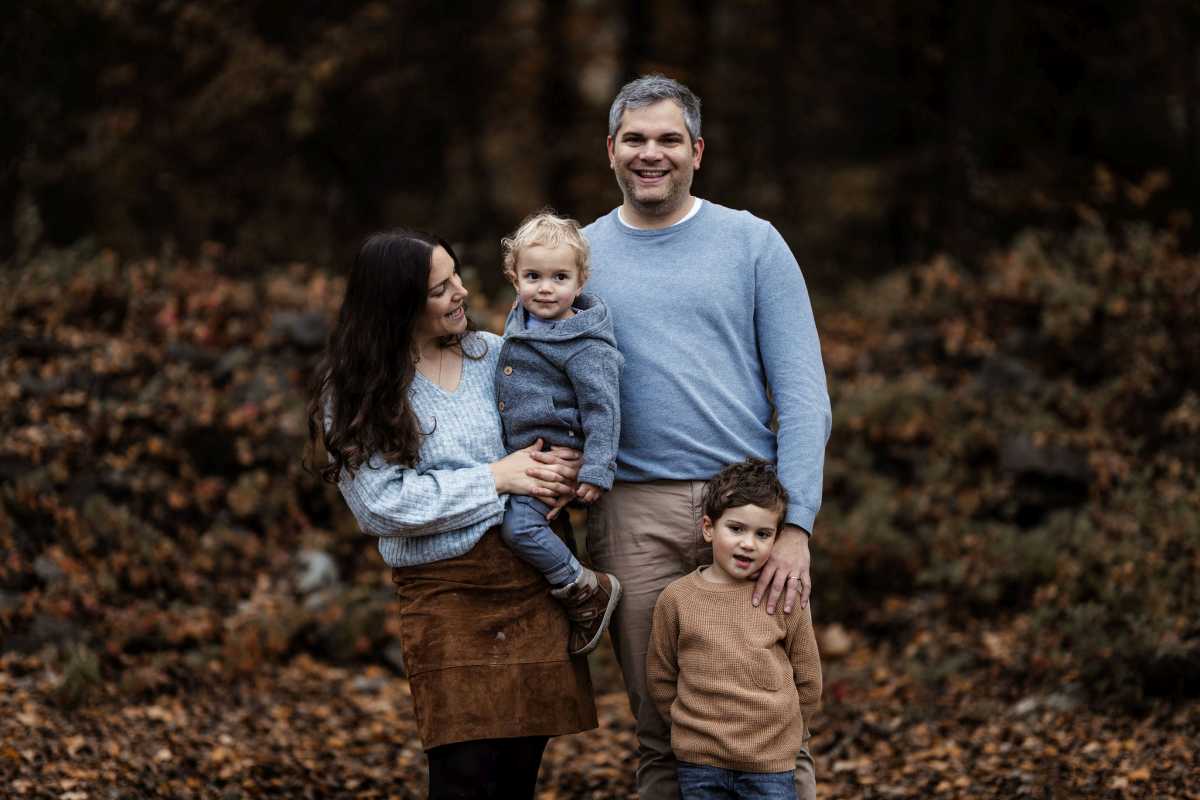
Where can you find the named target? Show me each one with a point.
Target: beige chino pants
(648, 534)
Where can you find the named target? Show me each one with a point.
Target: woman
(404, 404)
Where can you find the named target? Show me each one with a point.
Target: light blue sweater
(441, 507)
(714, 320)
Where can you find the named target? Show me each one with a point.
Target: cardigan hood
(591, 321)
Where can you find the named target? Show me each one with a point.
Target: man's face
(654, 158)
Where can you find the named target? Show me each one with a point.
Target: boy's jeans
(527, 533)
(702, 782)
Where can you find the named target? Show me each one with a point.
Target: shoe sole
(613, 599)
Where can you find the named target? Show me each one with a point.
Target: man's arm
(791, 358)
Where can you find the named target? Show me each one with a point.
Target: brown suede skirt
(485, 647)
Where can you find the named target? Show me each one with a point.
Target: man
(714, 320)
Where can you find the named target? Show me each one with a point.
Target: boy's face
(741, 539)
(548, 281)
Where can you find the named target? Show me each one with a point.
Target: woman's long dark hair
(358, 405)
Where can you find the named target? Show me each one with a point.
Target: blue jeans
(528, 535)
(702, 782)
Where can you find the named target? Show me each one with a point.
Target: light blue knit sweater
(441, 507)
(714, 320)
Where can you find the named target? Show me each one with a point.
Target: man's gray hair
(650, 89)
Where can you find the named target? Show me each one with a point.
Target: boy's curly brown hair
(752, 482)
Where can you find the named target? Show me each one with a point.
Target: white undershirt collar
(696, 203)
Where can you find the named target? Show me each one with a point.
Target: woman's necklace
(428, 370)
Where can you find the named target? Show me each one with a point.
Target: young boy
(557, 380)
(737, 684)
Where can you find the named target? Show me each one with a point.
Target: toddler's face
(548, 281)
(741, 539)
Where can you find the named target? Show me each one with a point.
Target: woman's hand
(531, 472)
(565, 460)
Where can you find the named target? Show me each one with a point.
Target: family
(661, 366)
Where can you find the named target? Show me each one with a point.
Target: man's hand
(786, 571)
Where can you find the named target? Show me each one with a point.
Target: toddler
(557, 380)
(737, 684)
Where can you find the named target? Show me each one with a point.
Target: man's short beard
(655, 208)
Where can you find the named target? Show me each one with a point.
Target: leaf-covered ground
(307, 729)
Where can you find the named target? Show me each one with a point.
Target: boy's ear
(706, 528)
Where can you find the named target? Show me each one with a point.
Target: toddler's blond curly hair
(546, 229)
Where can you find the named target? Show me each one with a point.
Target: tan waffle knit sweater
(736, 683)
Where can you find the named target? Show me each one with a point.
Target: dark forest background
(995, 205)
(872, 133)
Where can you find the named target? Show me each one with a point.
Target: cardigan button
(501, 405)
(508, 370)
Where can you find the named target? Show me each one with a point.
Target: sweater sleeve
(390, 500)
(791, 356)
(662, 656)
(806, 661)
(595, 374)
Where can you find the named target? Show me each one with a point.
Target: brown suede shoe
(590, 602)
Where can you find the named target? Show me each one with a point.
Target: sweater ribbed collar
(700, 582)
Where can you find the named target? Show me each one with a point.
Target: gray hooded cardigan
(561, 384)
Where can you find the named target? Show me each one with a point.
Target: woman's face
(445, 313)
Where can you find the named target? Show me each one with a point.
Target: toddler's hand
(588, 493)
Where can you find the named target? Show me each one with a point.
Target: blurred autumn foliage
(1017, 447)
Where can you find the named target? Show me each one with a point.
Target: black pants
(504, 769)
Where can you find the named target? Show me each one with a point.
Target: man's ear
(612, 159)
(706, 528)
(697, 152)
